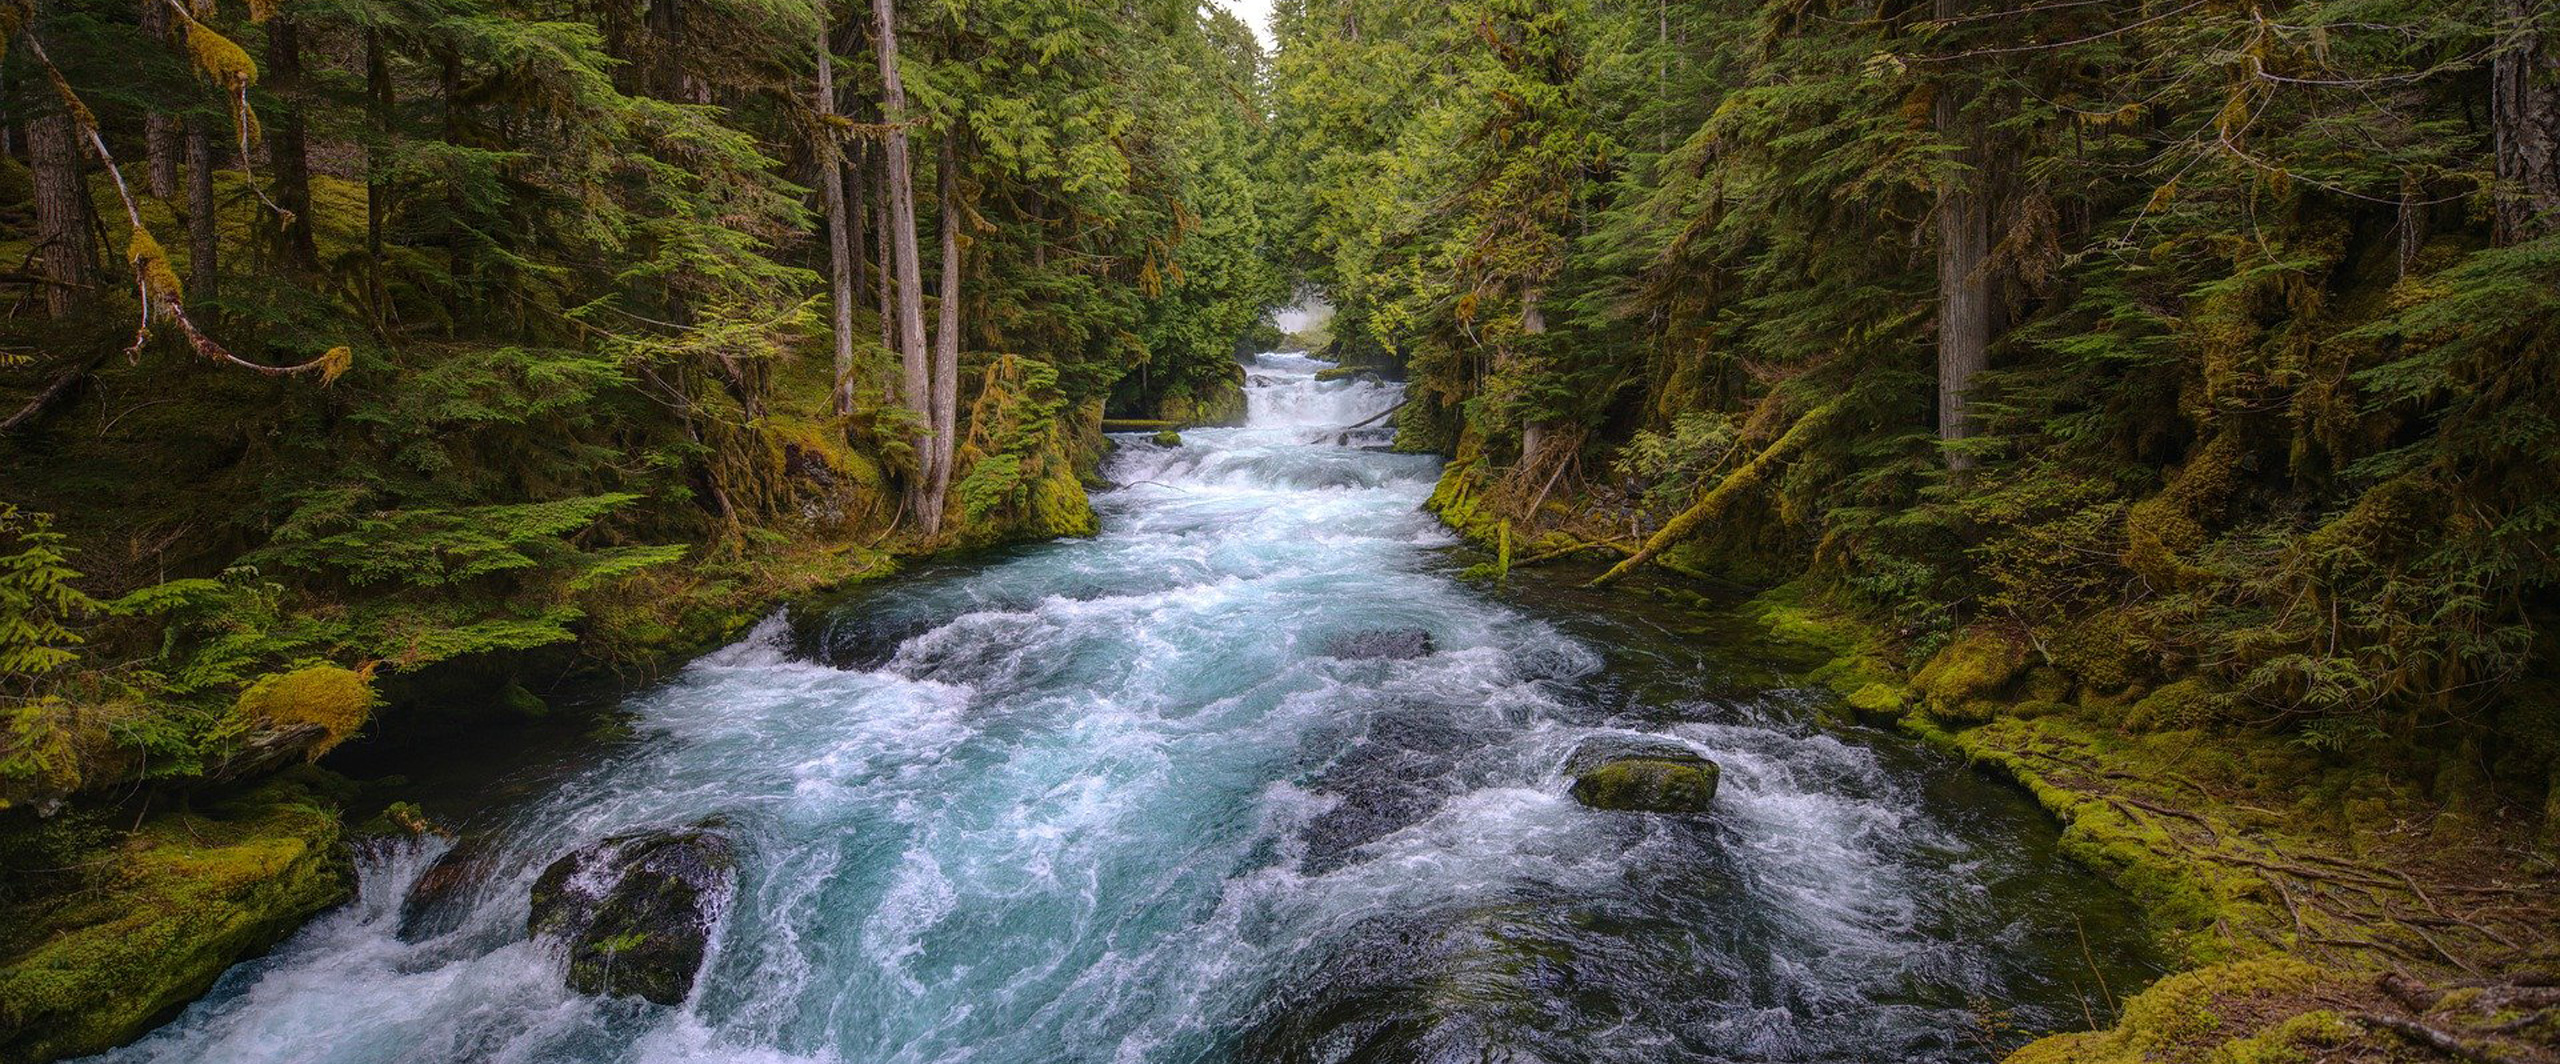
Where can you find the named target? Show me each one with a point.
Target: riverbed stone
(1391, 644)
(1642, 775)
(636, 912)
(442, 896)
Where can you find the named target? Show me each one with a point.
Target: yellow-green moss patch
(160, 916)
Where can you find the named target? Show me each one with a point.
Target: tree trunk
(377, 181)
(856, 213)
(887, 292)
(1964, 245)
(204, 233)
(62, 211)
(839, 223)
(288, 147)
(159, 128)
(2525, 111)
(918, 375)
(946, 339)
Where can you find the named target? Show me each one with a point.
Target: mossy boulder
(335, 700)
(441, 897)
(1642, 775)
(2191, 703)
(1963, 680)
(636, 912)
(1167, 438)
(159, 916)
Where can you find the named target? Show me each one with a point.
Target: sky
(1255, 13)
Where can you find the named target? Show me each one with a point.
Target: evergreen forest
(2145, 413)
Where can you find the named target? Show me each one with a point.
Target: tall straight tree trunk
(204, 233)
(887, 292)
(377, 179)
(288, 146)
(62, 211)
(1964, 244)
(159, 128)
(840, 264)
(856, 214)
(946, 334)
(915, 359)
(2525, 113)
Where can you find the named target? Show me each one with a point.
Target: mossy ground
(2291, 882)
(148, 923)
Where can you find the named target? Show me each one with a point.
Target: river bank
(2317, 905)
(123, 904)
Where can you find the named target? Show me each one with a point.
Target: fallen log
(1713, 504)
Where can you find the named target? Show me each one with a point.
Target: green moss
(2195, 702)
(1961, 680)
(1858, 666)
(523, 702)
(2201, 1017)
(337, 699)
(1649, 785)
(1167, 438)
(2095, 648)
(163, 913)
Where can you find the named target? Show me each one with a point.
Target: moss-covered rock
(337, 701)
(1658, 780)
(1959, 680)
(1167, 438)
(160, 916)
(2194, 702)
(636, 912)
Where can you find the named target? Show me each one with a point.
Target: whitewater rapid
(1117, 800)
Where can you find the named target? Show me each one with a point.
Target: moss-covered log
(1717, 500)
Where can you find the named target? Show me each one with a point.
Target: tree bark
(840, 265)
(377, 180)
(915, 359)
(160, 140)
(946, 340)
(62, 211)
(857, 213)
(288, 146)
(2525, 113)
(1964, 245)
(204, 233)
(887, 292)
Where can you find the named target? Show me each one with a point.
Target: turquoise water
(1113, 800)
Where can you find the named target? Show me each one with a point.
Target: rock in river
(1642, 776)
(637, 911)
(1393, 644)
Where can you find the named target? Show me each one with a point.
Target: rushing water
(1114, 800)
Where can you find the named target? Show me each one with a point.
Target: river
(1119, 799)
